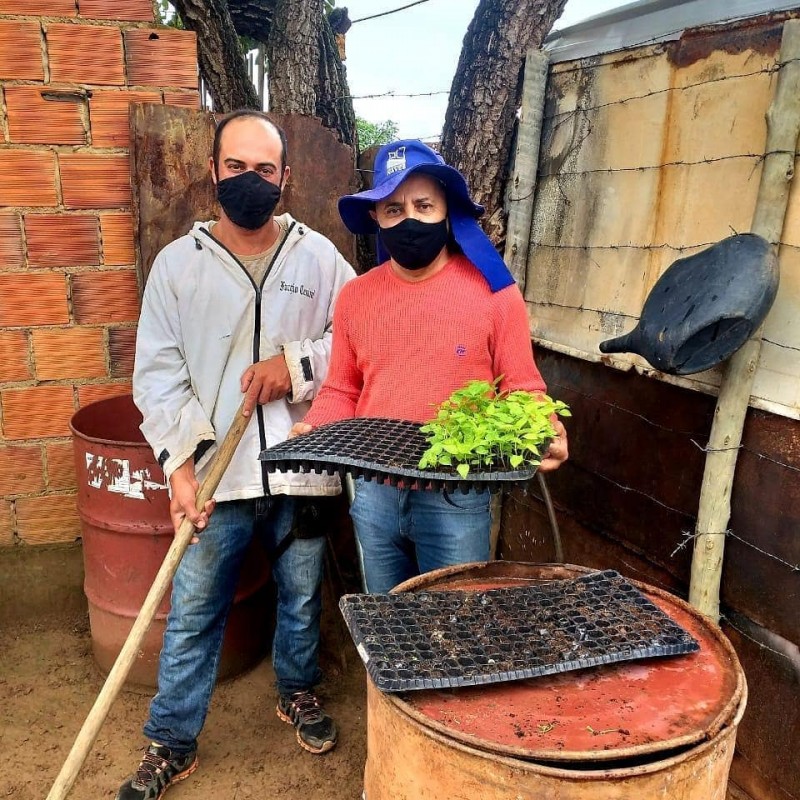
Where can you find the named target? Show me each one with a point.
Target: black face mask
(414, 244)
(248, 199)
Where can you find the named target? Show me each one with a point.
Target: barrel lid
(609, 713)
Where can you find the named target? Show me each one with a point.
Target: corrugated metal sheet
(648, 22)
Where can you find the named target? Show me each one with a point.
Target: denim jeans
(403, 532)
(202, 594)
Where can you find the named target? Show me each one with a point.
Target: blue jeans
(202, 594)
(403, 532)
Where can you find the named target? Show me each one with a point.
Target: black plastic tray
(378, 449)
(444, 639)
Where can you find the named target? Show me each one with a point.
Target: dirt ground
(48, 682)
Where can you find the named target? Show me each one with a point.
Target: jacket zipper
(262, 434)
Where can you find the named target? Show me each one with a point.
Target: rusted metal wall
(172, 185)
(647, 156)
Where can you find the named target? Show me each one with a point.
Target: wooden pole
(783, 127)
(521, 187)
(519, 205)
(130, 650)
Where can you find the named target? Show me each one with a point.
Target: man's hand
(558, 451)
(184, 487)
(299, 428)
(264, 382)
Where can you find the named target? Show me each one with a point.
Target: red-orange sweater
(401, 348)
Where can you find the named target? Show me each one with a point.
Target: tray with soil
(445, 639)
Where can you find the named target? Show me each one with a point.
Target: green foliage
(375, 133)
(480, 426)
(166, 14)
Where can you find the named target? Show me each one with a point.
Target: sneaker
(158, 769)
(316, 731)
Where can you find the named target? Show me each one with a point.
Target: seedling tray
(378, 449)
(446, 639)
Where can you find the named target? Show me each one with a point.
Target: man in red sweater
(441, 311)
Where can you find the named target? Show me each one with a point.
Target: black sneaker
(316, 731)
(158, 769)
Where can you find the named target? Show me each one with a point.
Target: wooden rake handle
(130, 650)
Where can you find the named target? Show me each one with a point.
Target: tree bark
(293, 52)
(219, 53)
(252, 18)
(486, 93)
(334, 105)
(306, 75)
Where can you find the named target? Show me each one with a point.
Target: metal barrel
(647, 729)
(123, 505)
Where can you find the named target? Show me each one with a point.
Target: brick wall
(69, 297)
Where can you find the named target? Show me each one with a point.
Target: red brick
(95, 181)
(121, 350)
(14, 356)
(20, 50)
(41, 115)
(27, 299)
(109, 114)
(101, 391)
(185, 99)
(45, 8)
(137, 10)
(99, 297)
(6, 524)
(117, 232)
(12, 254)
(47, 519)
(68, 353)
(60, 465)
(37, 412)
(27, 178)
(21, 470)
(61, 240)
(85, 54)
(163, 57)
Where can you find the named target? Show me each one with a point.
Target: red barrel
(639, 730)
(124, 509)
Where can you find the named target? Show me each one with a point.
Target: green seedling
(480, 426)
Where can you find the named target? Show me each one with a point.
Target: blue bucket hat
(394, 162)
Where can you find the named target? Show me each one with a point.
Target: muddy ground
(48, 682)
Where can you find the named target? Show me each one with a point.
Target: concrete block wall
(69, 293)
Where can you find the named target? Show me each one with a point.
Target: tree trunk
(334, 104)
(219, 53)
(252, 18)
(293, 52)
(486, 93)
(306, 74)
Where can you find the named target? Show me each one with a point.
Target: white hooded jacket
(204, 321)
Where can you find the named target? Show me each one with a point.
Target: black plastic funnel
(704, 307)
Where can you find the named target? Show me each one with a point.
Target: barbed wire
(391, 93)
(690, 537)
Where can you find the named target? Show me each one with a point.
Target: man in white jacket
(241, 307)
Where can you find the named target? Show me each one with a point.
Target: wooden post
(519, 204)
(783, 127)
(130, 650)
(521, 187)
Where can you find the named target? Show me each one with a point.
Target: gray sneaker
(316, 731)
(158, 769)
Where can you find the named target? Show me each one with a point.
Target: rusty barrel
(647, 729)
(123, 505)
